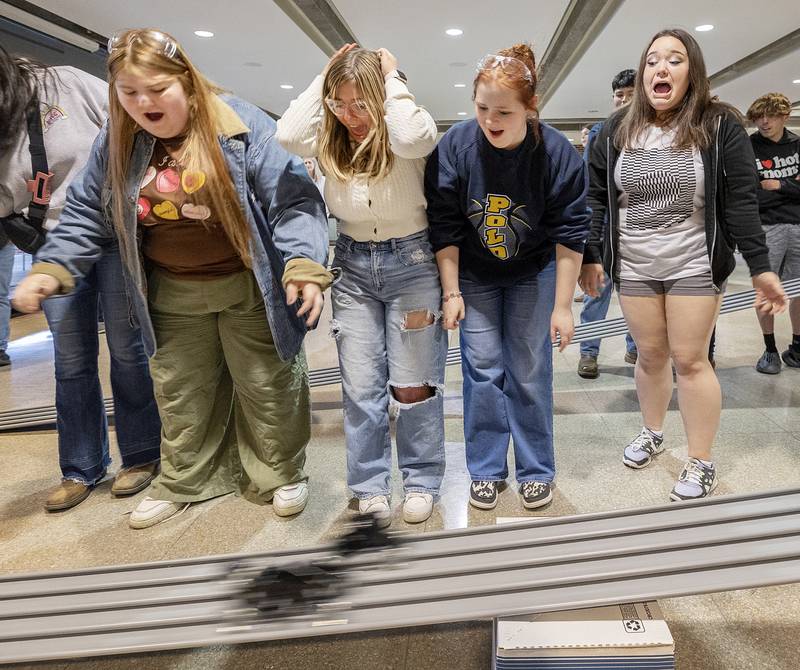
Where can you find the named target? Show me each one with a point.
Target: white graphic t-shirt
(661, 209)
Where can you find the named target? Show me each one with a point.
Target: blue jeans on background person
(507, 361)
(6, 269)
(82, 428)
(596, 309)
(382, 285)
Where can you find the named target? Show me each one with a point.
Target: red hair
(517, 82)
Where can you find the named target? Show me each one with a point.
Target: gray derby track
(717, 544)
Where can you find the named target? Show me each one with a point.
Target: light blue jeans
(507, 361)
(6, 269)
(380, 284)
(595, 309)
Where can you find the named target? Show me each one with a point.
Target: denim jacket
(284, 209)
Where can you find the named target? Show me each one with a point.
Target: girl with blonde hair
(360, 120)
(220, 230)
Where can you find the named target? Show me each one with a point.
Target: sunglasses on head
(508, 64)
(123, 38)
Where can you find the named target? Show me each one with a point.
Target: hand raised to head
(388, 61)
(338, 54)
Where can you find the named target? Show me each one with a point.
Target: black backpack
(27, 232)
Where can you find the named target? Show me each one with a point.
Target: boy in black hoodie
(777, 153)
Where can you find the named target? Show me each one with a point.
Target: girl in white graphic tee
(678, 171)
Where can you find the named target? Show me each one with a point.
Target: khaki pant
(235, 417)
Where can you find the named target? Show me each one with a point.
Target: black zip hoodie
(731, 187)
(778, 160)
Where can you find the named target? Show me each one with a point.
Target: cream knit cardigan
(371, 210)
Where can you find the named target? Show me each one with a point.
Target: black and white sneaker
(536, 494)
(641, 450)
(483, 494)
(696, 481)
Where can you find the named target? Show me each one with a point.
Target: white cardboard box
(616, 636)
(629, 636)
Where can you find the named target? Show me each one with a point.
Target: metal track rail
(18, 419)
(718, 544)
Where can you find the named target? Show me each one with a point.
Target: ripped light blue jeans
(387, 326)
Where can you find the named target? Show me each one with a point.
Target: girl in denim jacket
(210, 214)
(371, 139)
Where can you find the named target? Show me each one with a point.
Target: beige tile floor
(758, 447)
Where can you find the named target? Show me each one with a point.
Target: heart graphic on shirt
(767, 163)
(149, 175)
(197, 212)
(192, 181)
(166, 210)
(142, 208)
(167, 181)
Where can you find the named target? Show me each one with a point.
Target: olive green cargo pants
(235, 417)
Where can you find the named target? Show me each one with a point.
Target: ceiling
(257, 46)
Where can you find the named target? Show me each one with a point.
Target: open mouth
(495, 133)
(154, 116)
(662, 88)
(357, 134)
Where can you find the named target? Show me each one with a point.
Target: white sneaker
(291, 499)
(149, 512)
(417, 507)
(378, 506)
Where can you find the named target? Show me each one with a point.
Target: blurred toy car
(300, 588)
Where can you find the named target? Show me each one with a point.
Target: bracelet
(452, 294)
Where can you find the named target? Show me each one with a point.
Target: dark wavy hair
(624, 79)
(693, 118)
(19, 81)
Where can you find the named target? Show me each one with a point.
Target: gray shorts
(783, 242)
(697, 285)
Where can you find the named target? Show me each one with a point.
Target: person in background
(672, 189)
(585, 136)
(777, 152)
(314, 172)
(596, 309)
(72, 106)
(371, 138)
(220, 232)
(508, 215)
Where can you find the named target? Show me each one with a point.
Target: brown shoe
(134, 479)
(587, 367)
(66, 495)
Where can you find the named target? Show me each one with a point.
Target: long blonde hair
(141, 53)
(373, 157)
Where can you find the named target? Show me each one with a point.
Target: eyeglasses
(356, 108)
(122, 38)
(508, 64)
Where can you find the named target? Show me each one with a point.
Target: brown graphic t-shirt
(180, 233)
